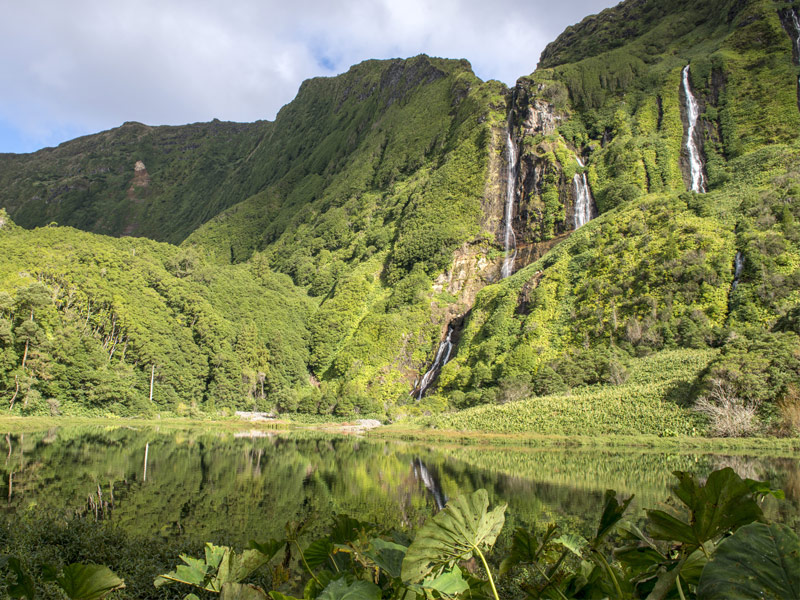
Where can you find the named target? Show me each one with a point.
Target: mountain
(641, 186)
(156, 182)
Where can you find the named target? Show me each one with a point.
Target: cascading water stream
(738, 265)
(796, 22)
(442, 356)
(692, 115)
(509, 239)
(583, 198)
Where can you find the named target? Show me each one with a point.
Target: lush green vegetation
(322, 255)
(697, 548)
(191, 173)
(655, 273)
(85, 321)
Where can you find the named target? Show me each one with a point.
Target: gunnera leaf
(758, 561)
(464, 526)
(340, 589)
(88, 582)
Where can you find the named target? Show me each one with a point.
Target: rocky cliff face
(546, 192)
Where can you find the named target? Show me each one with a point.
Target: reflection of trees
(214, 487)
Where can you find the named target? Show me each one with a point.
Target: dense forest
(324, 262)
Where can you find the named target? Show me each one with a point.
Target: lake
(230, 487)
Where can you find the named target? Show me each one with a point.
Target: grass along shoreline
(789, 447)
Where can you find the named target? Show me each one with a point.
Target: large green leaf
(318, 552)
(572, 542)
(240, 566)
(388, 556)
(241, 591)
(612, 513)
(723, 503)
(447, 585)
(347, 529)
(88, 582)
(463, 527)
(268, 549)
(221, 565)
(525, 548)
(315, 585)
(340, 589)
(758, 561)
(196, 571)
(22, 585)
(278, 596)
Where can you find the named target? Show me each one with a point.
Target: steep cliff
(449, 241)
(656, 269)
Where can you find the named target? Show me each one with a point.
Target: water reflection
(431, 482)
(231, 488)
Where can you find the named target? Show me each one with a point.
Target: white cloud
(89, 65)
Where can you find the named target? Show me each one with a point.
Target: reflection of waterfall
(738, 264)
(431, 483)
(509, 239)
(442, 356)
(692, 114)
(146, 451)
(583, 198)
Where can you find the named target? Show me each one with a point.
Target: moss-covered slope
(657, 269)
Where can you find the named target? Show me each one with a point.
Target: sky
(83, 66)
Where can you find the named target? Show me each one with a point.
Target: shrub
(728, 415)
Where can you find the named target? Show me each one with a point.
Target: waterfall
(509, 239)
(738, 265)
(796, 22)
(583, 198)
(692, 114)
(442, 356)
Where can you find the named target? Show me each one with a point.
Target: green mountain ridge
(368, 220)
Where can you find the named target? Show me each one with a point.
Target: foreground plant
(77, 581)
(712, 544)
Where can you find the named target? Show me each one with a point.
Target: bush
(728, 415)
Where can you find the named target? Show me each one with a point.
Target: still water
(230, 487)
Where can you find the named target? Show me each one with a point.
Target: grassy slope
(645, 404)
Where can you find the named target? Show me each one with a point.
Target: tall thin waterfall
(796, 21)
(692, 114)
(738, 265)
(583, 198)
(442, 356)
(509, 239)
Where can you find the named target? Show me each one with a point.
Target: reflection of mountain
(217, 487)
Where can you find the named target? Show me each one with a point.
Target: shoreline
(789, 446)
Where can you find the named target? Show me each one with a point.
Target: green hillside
(324, 256)
(656, 270)
(156, 182)
(91, 318)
